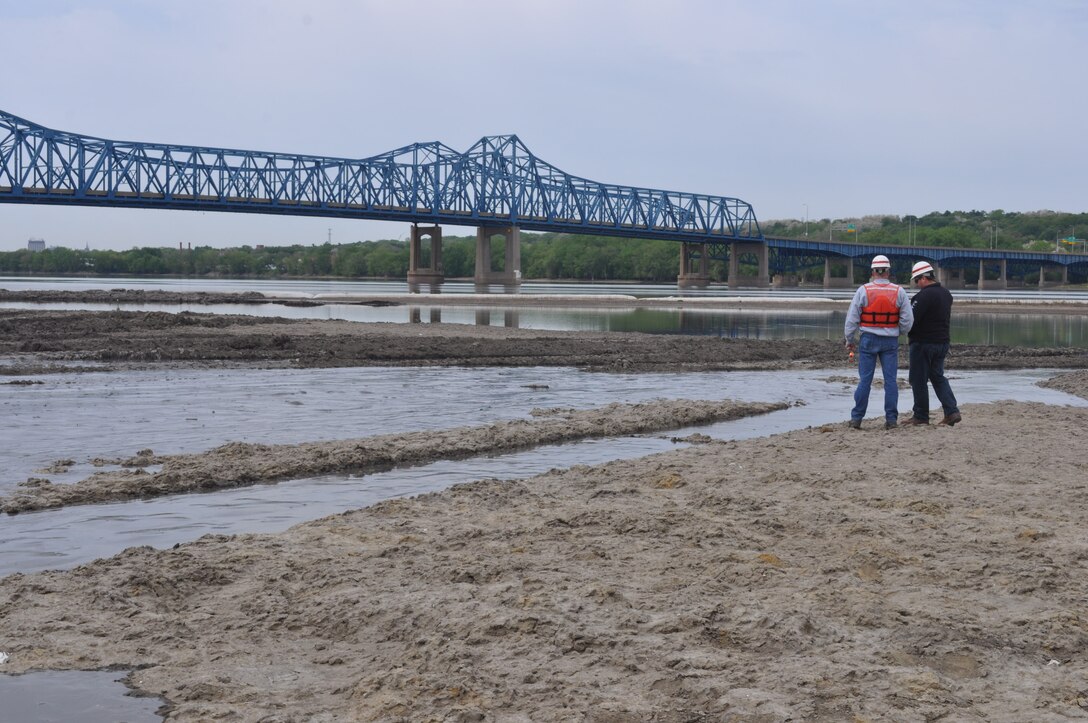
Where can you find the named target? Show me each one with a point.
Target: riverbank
(822, 574)
(35, 342)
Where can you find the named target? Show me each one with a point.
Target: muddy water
(62, 697)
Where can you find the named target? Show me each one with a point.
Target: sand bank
(795, 301)
(824, 574)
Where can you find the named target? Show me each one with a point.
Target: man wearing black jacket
(929, 340)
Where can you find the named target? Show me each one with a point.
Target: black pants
(927, 367)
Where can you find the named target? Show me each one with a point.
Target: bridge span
(848, 263)
(498, 185)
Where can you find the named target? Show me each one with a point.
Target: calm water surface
(306, 287)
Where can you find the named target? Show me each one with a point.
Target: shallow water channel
(1009, 329)
(80, 416)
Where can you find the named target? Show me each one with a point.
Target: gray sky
(843, 107)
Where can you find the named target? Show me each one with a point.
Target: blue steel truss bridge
(498, 185)
(995, 267)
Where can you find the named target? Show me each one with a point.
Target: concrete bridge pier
(433, 273)
(511, 273)
(1064, 276)
(838, 282)
(1000, 283)
(780, 281)
(951, 278)
(694, 267)
(762, 279)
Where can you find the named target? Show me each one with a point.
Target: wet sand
(1070, 382)
(822, 574)
(825, 574)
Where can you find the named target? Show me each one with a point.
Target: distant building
(36, 244)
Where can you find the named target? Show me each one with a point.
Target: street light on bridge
(806, 219)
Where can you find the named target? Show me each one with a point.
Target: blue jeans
(927, 367)
(886, 349)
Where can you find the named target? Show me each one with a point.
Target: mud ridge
(240, 464)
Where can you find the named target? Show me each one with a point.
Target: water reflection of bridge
(483, 316)
(498, 185)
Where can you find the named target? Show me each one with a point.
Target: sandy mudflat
(823, 574)
(34, 342)
(1075, 382)
(1012, 305)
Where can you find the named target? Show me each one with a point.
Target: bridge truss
(794, 255)
(497, 182)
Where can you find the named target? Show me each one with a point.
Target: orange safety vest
(881, 306)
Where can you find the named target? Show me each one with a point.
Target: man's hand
(849, 346)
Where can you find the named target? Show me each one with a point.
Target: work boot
(951, 419)
(890, 424)
(913, 421)
(855, 424)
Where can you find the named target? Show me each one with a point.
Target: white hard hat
(881, 262)
(922, 267)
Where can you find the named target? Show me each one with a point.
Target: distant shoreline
(794, 303)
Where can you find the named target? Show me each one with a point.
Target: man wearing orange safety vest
(881, 311)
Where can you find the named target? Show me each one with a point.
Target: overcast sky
(832, 108)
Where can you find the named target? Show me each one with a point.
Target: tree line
(549, 255)
(1045, 231)
(543, 256)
